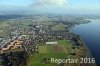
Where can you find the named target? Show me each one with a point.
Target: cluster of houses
(30, 45)
(40, 35)
(12, 45)
(37, 34)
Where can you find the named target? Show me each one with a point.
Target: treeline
(15, 58)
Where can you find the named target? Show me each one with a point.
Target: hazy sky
(51, 6)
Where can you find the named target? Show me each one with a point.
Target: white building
(52, 42)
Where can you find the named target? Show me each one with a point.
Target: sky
(50, 6)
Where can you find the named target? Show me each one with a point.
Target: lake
(90, 33)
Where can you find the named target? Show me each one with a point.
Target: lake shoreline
(90, 34)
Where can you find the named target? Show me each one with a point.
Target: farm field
(59, 51)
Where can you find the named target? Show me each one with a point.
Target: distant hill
(6, 17)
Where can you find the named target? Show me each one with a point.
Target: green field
(59, 51)
(58, 27)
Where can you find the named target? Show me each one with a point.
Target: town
(38, 42)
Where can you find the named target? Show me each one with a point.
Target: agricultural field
(60, 51)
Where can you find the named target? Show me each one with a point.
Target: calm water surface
(90, 33)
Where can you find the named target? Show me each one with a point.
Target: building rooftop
(52, 42)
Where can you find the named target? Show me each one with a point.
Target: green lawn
(42, 49)
(36, 59)
(58, 51)
(58, 27)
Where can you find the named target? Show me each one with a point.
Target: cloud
(50, 2)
